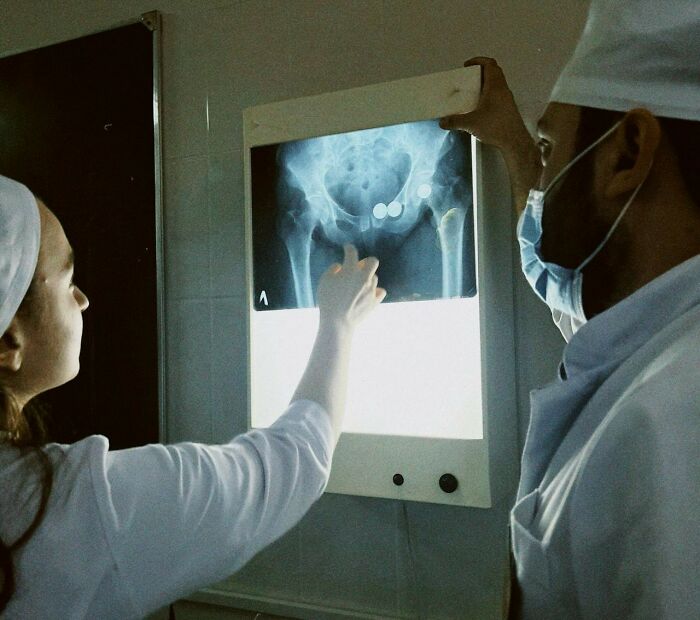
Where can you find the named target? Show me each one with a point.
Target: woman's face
(50, 319)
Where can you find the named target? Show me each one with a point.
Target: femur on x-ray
(402, 193)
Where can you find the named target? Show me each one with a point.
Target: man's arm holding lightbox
(342, 306)
(497, 122)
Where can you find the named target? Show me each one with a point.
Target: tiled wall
(220, 56)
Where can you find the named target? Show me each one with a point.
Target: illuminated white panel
(415, 368)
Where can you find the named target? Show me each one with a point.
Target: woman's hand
(348, 292)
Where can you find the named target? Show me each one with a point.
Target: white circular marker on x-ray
(394, 209)
(424, 190)
(380, 211)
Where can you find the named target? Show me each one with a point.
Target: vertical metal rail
(152, 20)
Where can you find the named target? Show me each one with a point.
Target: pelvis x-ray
(402, 193)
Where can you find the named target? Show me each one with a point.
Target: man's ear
(11, 349)
(635, 143)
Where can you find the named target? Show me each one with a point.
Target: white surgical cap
(20, 235)
(637, 53)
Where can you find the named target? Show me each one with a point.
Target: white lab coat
(128, 531)
(606, 521)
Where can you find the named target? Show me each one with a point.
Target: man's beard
(571, 228)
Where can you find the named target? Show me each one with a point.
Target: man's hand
(497, 122)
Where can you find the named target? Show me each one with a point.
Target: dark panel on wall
(76, 126)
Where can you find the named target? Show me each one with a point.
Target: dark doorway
(76, 126)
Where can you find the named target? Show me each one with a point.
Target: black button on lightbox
(448, 483)
(398, 479)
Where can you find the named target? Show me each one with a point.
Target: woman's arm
(179, 517)
(346, 294)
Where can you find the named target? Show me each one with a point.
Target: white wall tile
(273, 573)
(229, 354)
(348, 554)
(336, 45)
(227, 222)
(184, 110)
(251, 45)
(531, 40)
(189, 370)
(460, 554)
(186, 223)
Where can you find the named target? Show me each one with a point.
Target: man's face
(570, 226)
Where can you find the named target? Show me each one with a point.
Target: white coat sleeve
(634, 520)
(180, 517)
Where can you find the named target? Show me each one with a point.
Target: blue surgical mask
(561, 288)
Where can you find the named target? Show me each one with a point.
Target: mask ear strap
(616, 222)
(583, 153)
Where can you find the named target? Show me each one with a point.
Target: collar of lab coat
(593, 354)
(613, 335)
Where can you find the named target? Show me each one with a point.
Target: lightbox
(371, 166)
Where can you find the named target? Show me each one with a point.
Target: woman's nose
(81, 298)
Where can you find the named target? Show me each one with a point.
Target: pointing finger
(350, 259)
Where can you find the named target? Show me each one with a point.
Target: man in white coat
(606, 519)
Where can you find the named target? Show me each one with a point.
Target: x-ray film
(402, 193)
